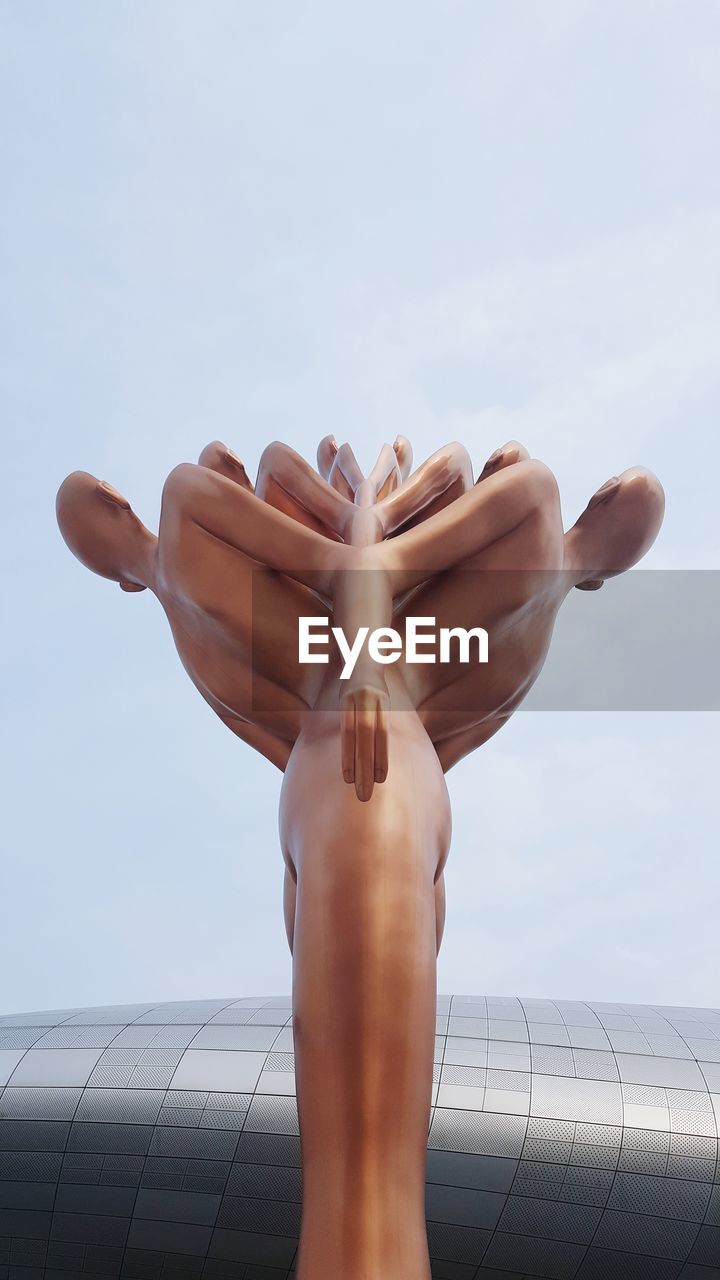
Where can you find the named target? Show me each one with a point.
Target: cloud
(581, 862)
(255, 223)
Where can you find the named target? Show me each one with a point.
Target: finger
(404, 454)
(381, 742)
(347, 738)
(507, 456)
(326, 454)
(217, 457)
(364, 750)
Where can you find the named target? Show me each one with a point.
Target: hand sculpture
(234, 569)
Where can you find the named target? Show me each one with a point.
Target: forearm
(362, 598)
(281, 468)
(474, 522)
(241, 520)
(365, 937)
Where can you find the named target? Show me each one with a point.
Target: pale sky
(255, 221)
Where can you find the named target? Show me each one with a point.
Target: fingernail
(494, 459)
(233, 458)
(111, 495)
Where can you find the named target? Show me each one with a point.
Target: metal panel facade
(567, 1140)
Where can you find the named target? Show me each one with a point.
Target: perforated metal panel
(567, 1140)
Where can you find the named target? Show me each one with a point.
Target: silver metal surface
(567, 1140)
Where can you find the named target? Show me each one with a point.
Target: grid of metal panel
(567, 1140)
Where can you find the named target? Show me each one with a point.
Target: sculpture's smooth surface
(365, 821)
(567, 1140)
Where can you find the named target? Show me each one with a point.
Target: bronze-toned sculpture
(364, 811)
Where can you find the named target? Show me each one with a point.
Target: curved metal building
(567, 1140)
